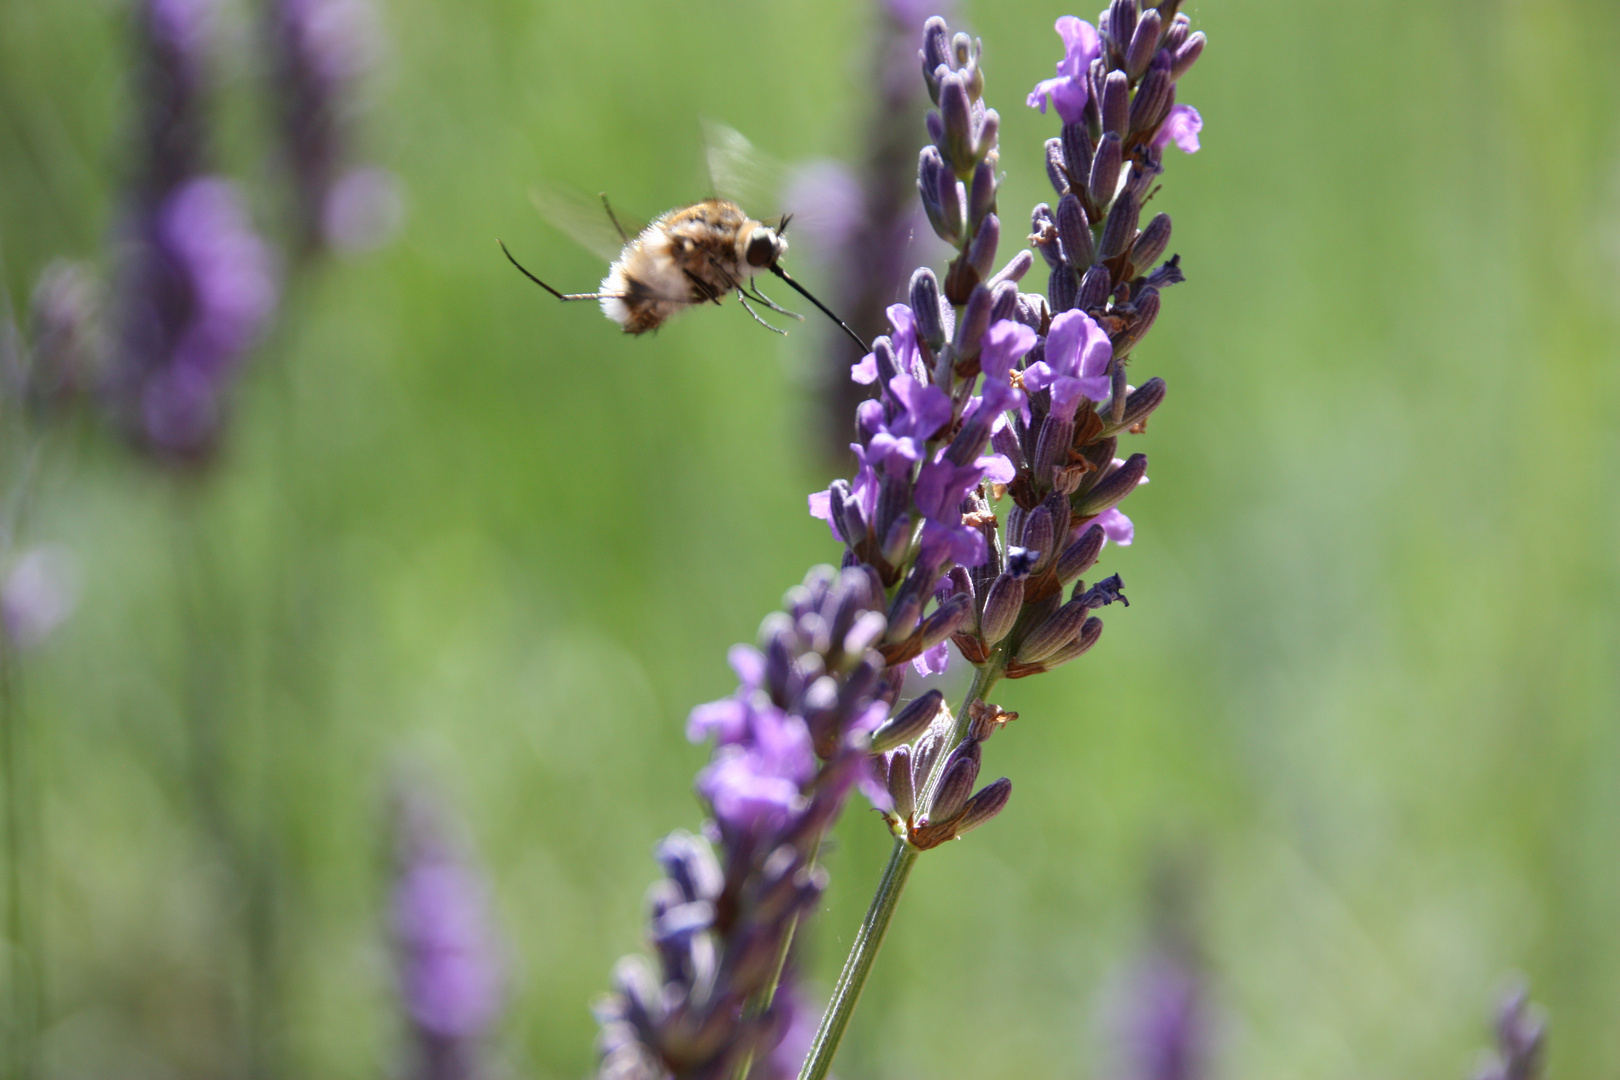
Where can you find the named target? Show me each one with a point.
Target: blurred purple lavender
(322, 49)
(451, 982)
(789, 747)
(1521, 1037)
(195, 283)
(872, 214)
(1165, 1029)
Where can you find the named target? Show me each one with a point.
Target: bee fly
(696, 254)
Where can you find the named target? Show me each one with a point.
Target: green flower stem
(869, 938)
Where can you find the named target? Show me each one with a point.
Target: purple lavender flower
(790, 745)
(1165, 1025)
(450, 980)
(1070, 90)
(196, 283)
(1180, 127)
(322, 49)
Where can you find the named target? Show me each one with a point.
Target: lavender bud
(1146, 304)
(1062, 287)
(956, 783)
(1152, 241)
(1074, 231)
(1038, 538)
(1113, 487)
(899, 781)
(846, 513)
(982, 195)
(905, 611)
(865, 633)
(946, 619)
(1004, 441)
(1055, 168)
(1057, 506)
(1077, 151)
(974, 322)
(1058, 630)
(935, 53)
(1035, 313)
(1014, 271)
(1139, 405)
(1187, 55)
(1116, 103)
(1089, 633)
(956, 110)
(1152, 99)
(952, 204)
(1121, 23)
(1001, 607)
(1173, 37)
(930, 167)
(1105, 166)
(1081, 555)
(1120, 227)
(935, 125)
(989, 801)
(909, 722)
(925, 306)
(1052, 446)
(888, 365)
(1003, 301)
(982, 252)
(1144, 43)
(1094, 288)
(989, 130)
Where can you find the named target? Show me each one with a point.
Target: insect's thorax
(707, 241)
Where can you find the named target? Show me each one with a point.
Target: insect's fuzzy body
(692, 255)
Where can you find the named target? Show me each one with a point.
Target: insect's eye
(761, 249)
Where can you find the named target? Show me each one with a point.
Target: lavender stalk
(939, 446)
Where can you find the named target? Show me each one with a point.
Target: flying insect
(696, 254)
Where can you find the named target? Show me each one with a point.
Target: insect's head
(765, 246)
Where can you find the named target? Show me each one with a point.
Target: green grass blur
(1367, 692)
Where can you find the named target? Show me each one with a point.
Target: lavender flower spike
(450, 981)
(790, 745)
(1521, 1036)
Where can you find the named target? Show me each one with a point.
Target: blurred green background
(1366, 694)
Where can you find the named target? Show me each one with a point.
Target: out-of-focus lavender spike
(195, 283)
(64, 346)
(321, 50)
(1521, 1037)
(879, 250)
(451, 980)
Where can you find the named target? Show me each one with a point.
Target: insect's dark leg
(554, 292)
(706, 293)
(743, 300)
(624, 236)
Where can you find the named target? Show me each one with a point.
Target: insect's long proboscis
(802, 291)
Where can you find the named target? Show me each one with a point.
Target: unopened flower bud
(1187, 55)
(952, 204)
(1058, 630)
(925, 306)
(930, 167)
(1077, 151)
(1089, 633)
(989, 801)
(982, 194)
(1001, 607)
(955, 110)
(1120, 227)
(956, 782)
(1105, 166)
(899, 781)
(1081, 555)
(1094, 288)
(1116, 103)
(1056, 171)
(982, 252)
(904, 613)
(909, 722)
(1043, 234)
(936, 53)
(946, 619)
(1144, 43)
(1074, 231)
(1139, 405)
(1038, 537)
(1152, 100)
(1014, 271)
(1052, 446)
(1121, 24)
(1173, 37)
(974, 322)
(1062, 286)
(1113, 487)
(1151, 242)
(865, 633)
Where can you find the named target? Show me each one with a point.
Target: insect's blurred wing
(583, 219)
(822, 196)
